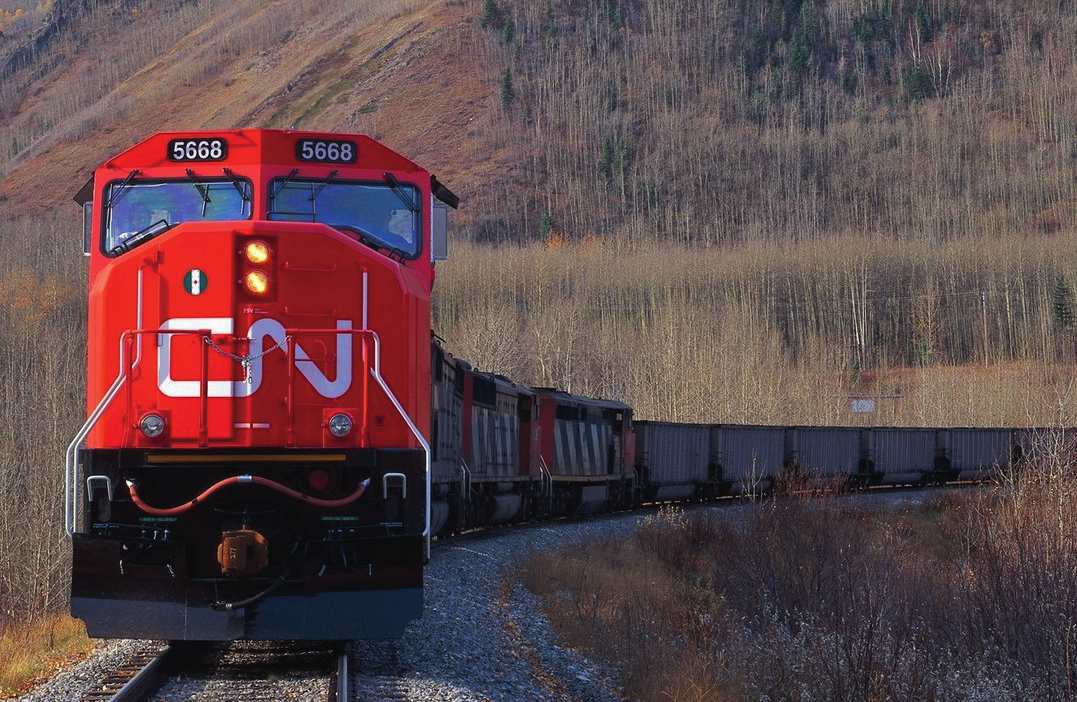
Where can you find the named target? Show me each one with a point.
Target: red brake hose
(237, 479)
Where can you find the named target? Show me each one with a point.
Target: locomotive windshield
(385, 215)
(137, 211)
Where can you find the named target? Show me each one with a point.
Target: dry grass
(31, 651)
(616, 601)
(969, 597)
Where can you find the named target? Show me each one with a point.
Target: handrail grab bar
(375, 371)
(403, 485)
(71, 481)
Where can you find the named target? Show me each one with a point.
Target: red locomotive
(256, 461)
(504, 452)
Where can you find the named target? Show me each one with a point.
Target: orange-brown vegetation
(31, 651)
(771, 333)
(964, 597)
(740, 212)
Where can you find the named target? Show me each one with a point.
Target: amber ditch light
(257, 252)
(257, 282)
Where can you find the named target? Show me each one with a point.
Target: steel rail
(133, 681)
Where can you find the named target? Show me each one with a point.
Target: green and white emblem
(195, 282)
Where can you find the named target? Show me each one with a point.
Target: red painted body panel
(318, 274)
(582, 436)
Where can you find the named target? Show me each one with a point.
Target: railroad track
(250, 671)
(367, 671)
(138, 676)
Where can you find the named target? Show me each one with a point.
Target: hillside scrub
(629, 120)
(969, 596)
(778, 333)
(42, 405)
(715, 122)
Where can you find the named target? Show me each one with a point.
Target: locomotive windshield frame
(134, 210)
(384, 214)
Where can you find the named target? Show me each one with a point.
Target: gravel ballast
(482, 636)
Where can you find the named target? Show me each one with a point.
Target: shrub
(968, 596)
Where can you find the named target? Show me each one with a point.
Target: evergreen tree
(491, 14)
(508, 92)
(1062, 303)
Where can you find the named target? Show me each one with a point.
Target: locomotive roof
(495, 378)
(258, 145)
(568, 398)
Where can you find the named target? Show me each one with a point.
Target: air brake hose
(239, 479)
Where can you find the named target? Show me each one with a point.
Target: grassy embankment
(967, 597)
(31, 650)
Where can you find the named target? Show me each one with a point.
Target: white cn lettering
(257, 335)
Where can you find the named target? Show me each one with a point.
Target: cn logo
(259, 332)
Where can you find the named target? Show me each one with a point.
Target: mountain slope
(391, 69)
(707, 122)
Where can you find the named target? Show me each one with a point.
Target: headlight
(257, 282)
(339, 424)
(152, 425)
(257, 252)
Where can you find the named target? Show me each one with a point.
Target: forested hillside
(717, 122)
(717, 211)
(860, 188)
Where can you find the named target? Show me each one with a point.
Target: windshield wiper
(202, 188)
(362, 235)
(317, 188)
(370, 240)
(118, 190)
(282, 182)
(239, 185)
(159, 227)
(400, 192)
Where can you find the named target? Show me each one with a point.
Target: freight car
(678, 461)
(503, 452)
(482, 441)
(255, 463)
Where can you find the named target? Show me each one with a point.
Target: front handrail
(72, 487)
(71, 481)
(375, 370)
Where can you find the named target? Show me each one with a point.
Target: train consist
(273, 438)
(504, 452)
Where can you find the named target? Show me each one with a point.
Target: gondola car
(673, 461)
